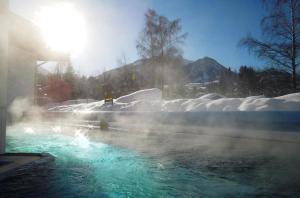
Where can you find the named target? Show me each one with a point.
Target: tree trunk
(294, 44)
(294, 79)
(162, 62)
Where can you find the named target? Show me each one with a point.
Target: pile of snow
(142, 105)
(289, 102)
(151, 100)
(78, 101)
(224, 104)
(212, 96)
(145, 95)
(174, 105)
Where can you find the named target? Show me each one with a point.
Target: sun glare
(63, 27)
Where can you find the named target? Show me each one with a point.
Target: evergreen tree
(248, 81)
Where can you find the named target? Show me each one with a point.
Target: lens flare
(63, 27)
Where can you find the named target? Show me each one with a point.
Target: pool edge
(22, 161)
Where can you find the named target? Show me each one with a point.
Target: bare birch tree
(281, 31)
(160, 41)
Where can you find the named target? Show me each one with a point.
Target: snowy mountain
(204, 70)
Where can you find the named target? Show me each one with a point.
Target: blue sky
(214, 28)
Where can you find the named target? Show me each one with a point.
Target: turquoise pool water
(84, 168)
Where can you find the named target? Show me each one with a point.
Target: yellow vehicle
(108, 95)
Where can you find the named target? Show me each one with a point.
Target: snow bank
(151, 100)
(142, 105)
(146, 95)
(290, 102)
(174, 105)
(290, 97)
(225, 104)
(212, 96)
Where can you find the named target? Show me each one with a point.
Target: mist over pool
(88, 168)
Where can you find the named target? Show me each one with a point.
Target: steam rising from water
(56, 129)
(81, 139)
(30, 119)
(29, 130)
(258, 154)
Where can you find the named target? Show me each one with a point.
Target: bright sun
(63, 27)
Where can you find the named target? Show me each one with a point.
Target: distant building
(26, 47)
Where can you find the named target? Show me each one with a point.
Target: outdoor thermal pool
(87, 168)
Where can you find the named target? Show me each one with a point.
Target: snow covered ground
(150, 100)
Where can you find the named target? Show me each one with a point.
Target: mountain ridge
(202, 70)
